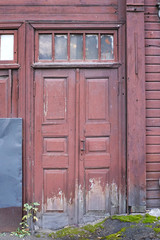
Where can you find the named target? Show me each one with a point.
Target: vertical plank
(136, 108)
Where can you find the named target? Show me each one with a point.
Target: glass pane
(107, 47)
(91, 46)
(45, 46)
(7, 47)
(60, 47)
(76, 46)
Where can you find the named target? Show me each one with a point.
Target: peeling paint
(114, 198)
(95, 198)
(56, 203)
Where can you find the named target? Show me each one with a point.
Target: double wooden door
(76, 145)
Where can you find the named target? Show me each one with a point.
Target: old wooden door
(76, 144)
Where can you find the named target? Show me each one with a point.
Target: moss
(95, 227)
(68, 231)
(129, 218)
(149, 219)
(117, 235)
(157, 230)
(38, 235)
(132, 226)
(149, 226)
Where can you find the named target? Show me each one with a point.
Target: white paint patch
(155, 212)
(56, 203)
(95, 199)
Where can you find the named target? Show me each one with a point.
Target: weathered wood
(153, 140)
(136, 115)
(151, 18)
(152, 60)
(152, 26)
(149, 2)
(153, 113)
(153, 131)
(59, 17)
(152, 50)
(152, 9)
(38, 10)
(153, 122)
(153, 202)
(153, 157)
(153, 95)
(152, 85)
(153, 149)
(153, 185)
(57, 2)
(154, 194)
(152, 77)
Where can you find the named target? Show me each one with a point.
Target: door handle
(82, 145)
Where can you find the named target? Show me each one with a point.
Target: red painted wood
(152, 122)
(152, 77)
(56, 2)
(153, 157)
(50, 145)
(153, 167)
(38, 10)
(153, 140)
(153, 104)
(152, 34)
(54, 111)
(152, 59)
(152, 185)
(99, 134)
(154, 194)
(136, 114)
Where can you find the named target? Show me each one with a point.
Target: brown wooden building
(84, 76)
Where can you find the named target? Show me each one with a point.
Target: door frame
(30, 88)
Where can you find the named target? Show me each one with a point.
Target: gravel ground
(131, 231)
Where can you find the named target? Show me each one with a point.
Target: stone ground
(137, 227)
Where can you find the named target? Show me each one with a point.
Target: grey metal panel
(10, 162)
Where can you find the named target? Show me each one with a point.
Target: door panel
(54, 144)
(99, 138)
(56, 131)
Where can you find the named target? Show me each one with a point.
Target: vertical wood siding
(152, 56)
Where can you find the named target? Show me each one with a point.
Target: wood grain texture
(152, 59)
(136, 114)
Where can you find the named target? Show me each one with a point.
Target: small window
(56, 46)
(8, 48)
(91, 46)
(45, 46)
(60, 47)
(76, 46)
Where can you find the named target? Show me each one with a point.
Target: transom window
(8, 46)
(56, 46)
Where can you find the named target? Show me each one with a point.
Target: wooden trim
(9, 66)
(75, 65)
(10, 25)
(53, 25)
(136, 111)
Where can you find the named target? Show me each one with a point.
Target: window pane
(60, 47)
(107, 47)
(45, 46)
(91, 46)
(7, 47)
(76, 46)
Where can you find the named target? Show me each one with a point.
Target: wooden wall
(97, 10)
(152, 56)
